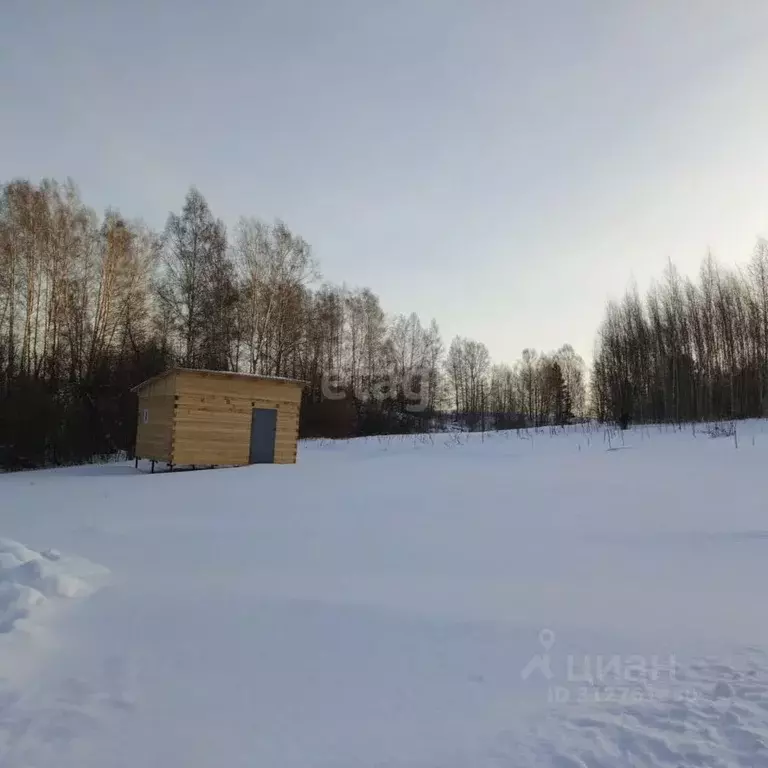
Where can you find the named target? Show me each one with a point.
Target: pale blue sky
(504, 167)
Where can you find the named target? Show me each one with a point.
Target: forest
(91, 305)
(691, 350)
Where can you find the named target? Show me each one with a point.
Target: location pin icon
(547, 639)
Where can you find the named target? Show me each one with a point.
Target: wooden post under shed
(214, 418)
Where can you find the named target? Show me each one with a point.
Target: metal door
(263, 430)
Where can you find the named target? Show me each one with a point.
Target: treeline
(91, 306)
(537, 390)
(690, 350)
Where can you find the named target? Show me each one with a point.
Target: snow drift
(29, 578)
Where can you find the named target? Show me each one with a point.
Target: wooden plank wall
(213, 418)
(154, 440)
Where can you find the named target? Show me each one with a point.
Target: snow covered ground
(446, 602)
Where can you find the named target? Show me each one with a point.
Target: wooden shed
(191, 417)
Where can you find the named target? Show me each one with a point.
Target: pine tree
(559, 398)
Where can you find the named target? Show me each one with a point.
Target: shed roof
(223, 374)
